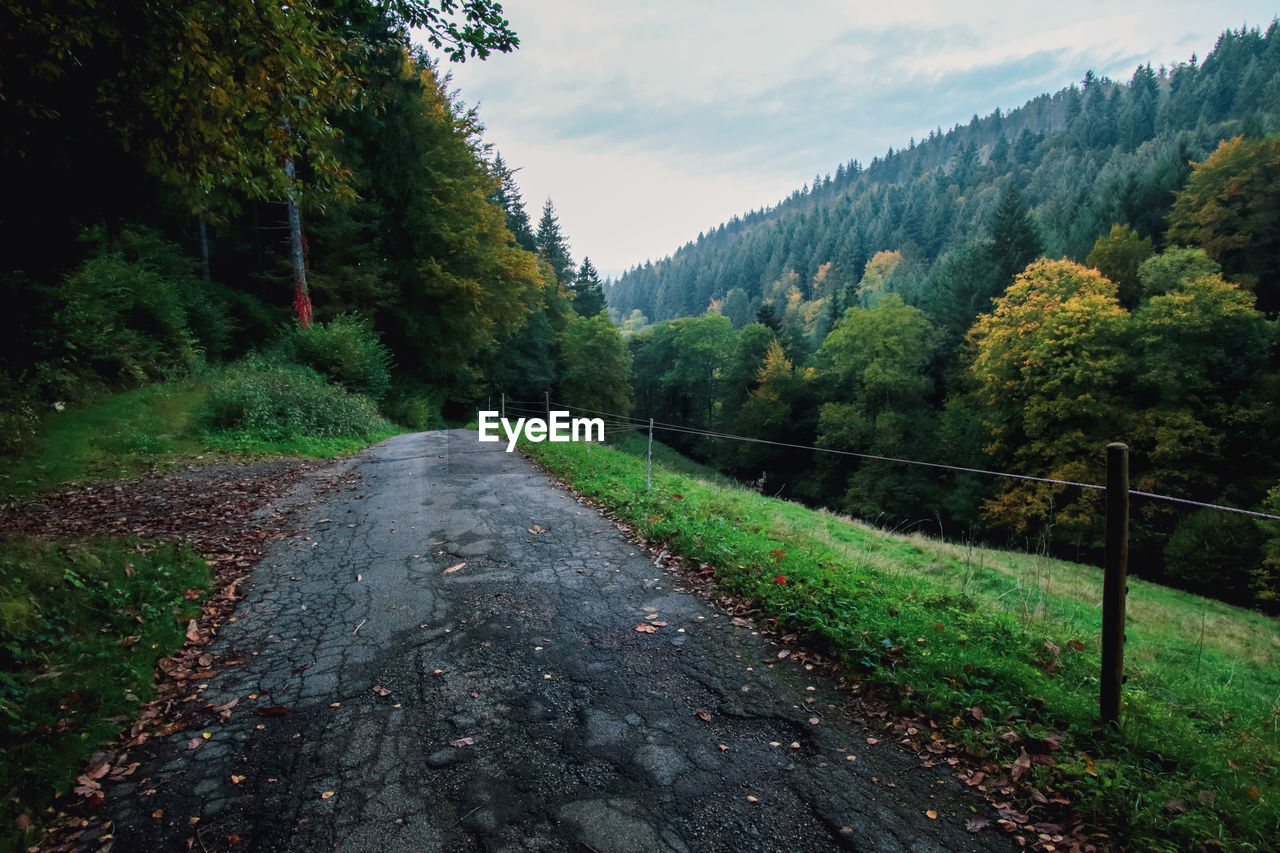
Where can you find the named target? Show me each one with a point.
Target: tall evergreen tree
(552, 245)
(588, 292)
(507, 197)
(1014, 241)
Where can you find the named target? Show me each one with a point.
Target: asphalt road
(389, 703)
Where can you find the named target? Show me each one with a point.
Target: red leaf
(780, 579)
(273, 711)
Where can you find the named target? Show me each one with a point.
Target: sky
(649, 121)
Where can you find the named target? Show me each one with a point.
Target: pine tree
(507, 197)
(1014, 241)
(552, 245)
(588, 299)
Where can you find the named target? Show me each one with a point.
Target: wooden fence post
(648, 477)
(1114, 582)
(548, 399)
(504, 406)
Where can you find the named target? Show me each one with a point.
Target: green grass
(944, 629)
(82, 626)
(153, 427)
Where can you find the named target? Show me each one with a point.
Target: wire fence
(618, 422)
(1035, 587)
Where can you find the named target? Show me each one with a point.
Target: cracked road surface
(389, 701)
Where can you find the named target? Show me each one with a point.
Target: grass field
(947, 628)
(155, 426)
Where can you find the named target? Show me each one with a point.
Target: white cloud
(647, 122)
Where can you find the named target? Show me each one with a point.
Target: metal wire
(681, 428)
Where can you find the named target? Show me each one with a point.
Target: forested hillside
(193, 183)
(1100, 264)
(1082, 159)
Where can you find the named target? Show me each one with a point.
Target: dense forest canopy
(1099, 264)
(184, 177)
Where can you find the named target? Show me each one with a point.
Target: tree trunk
(301, 298)
(204, 248)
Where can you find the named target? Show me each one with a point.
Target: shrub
(1217, 554)
(18, 415)
(347, 350)
(415, 411)
(276, 402)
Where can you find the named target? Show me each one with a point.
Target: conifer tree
(588, 299)
(552, 245)
(507, 196)
(1014, 241)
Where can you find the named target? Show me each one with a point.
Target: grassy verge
(82, 626)
(156, 426)
(946, 630)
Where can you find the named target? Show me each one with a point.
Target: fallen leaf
(380, 690)
(273, 711)
(778, 555)
(326, 795)
(931, 814)
(873, 741)
(463, 741)
(158, 813)
(236, 780)
(1252, 793)
(452, 569)
(780, 579)
(977, 714)
(1176, 806)
(677, 497)
(193, 631)
(1075, 644)
(724, 748)
(703, 715)
(22, 822)
(646, 628)
(751, 799)
(976, 824)
(233, 840)
(1020, 766)
(536, 529)
(1206, 797)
